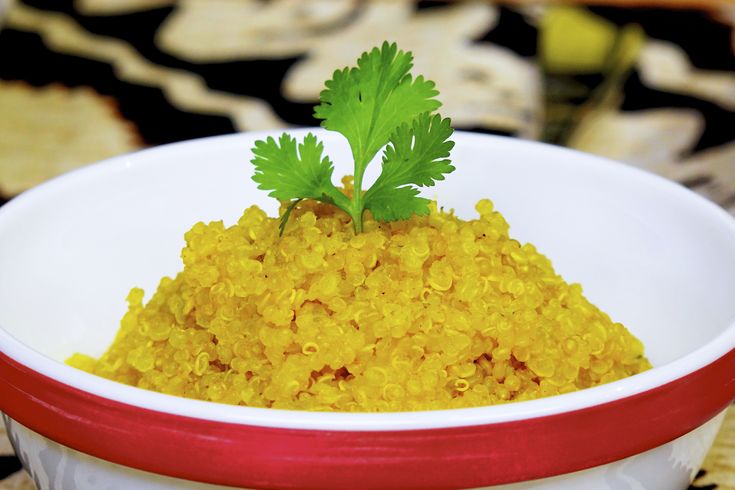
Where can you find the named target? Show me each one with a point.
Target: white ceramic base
(56, 467)
(668, 467)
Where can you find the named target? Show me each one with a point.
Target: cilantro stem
(339, 199)
(286, 215)
(358, 206)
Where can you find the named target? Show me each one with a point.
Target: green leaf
(374, 104)
(417, 155)
(367, 103)
(398, 203)
(290, 172)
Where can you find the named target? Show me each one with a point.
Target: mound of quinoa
(428, 313)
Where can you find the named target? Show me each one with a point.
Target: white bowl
(655, 256)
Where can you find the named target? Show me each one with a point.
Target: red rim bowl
(46, 310)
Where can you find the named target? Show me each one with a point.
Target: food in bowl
(365, 301)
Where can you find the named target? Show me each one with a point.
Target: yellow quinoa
(428, 313)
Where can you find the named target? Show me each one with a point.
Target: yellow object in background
(573, 40)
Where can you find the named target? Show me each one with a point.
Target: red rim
(261, 457)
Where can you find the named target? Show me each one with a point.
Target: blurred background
(650, 83)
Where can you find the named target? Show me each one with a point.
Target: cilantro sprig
(377, 104)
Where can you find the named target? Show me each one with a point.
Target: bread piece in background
(51, 130)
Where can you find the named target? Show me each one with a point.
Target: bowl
(655, 256)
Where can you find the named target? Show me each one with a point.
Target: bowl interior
(652, 255)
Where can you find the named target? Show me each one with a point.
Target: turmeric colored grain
(428, 313)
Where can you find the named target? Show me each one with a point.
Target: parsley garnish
(374, 105)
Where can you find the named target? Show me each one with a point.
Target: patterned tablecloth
(81, 80)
